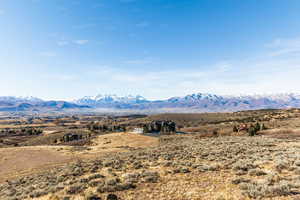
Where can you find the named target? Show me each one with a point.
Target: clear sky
(66, 49)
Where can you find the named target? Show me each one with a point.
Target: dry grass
(181, 167)
(26, 160)
(283, 133)
(193, 166)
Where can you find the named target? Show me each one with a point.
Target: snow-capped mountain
(196, 97)
(19, 104)
(200, 102)
(110, 99)
(211, 102)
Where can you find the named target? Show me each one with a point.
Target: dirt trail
(16, 161)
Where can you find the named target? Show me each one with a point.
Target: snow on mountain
(198, 102)
(197, 97)
(17, 104)
(110, 99)
(202, 102)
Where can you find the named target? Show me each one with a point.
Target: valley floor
(185, 167)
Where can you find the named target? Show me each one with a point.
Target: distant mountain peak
(197, 102)
(110, 98)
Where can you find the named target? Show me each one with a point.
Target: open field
(27, 160)
(206, 159)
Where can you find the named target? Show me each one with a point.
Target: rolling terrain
(206, 158)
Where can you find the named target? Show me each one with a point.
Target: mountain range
(199, 102)
(32, 104)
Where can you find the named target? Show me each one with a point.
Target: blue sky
(66, 49)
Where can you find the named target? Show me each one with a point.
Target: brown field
(27, 160)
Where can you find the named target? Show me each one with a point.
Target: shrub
(235, 129)
(150, 177)
(239, 180)
(75, 189)
(256, 172)
(92, 196)
(244, 166)
(260, 190)
(280, 165)
(203, 168)
(252, 131)
(95, 183)
(112, 197)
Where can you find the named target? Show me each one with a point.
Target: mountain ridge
(202, 102)
(33, 104)
(198, 102)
